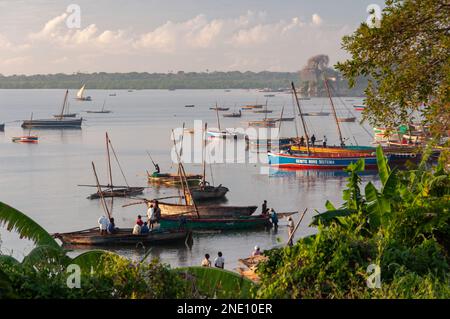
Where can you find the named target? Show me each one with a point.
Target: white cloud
(247, 42)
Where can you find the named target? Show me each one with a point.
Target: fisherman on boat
(145, 229)
(256, 252)
(137, 229)
(139, 221)
(302, 141)
(112, 226)
(264, 208)
(151, 216)
(103, 224)
(313, 140)
(219, 262)
(324, 141)
(206, 262)
(157, 170)
(274, 218)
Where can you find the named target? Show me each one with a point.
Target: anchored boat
(80, 94)
(225, 223)
(92, 237)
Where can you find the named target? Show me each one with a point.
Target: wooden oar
(296, 226)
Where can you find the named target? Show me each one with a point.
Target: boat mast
(301, 116)
(204, 156)
(104, 102)
(281, 120)
(217, 113)
(109, 161)
(31, 124)
(100, 193)
(334, 111)
(64, 104)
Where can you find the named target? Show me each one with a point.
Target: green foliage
(407, 59)
(403, 228)
(217, 283)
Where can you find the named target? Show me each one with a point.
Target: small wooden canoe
(233, 114)
(173, 179)
(346, 119)
(118, 192)
(316, 114)
(177, 210)
(189, 105)
(59, 116)
(208, 192)
(263, 123)
(228, 223)
(25, 139)
(251, 107)
(219, 108)
(124, 236)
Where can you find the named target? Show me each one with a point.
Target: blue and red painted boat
(320, 161)
(359, 107)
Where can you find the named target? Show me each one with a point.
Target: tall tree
(407, 59)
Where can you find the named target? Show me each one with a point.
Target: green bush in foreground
(403, 228)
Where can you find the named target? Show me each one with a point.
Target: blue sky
(161, 36)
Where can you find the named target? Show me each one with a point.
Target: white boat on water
(80, 94)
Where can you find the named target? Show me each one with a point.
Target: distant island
(309, 80)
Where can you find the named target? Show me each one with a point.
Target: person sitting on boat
(157, 170)
(137, 229)
(103, 224)
(145, 229)
(112, 226)
(274, 218)
(139, 221)
(256, 252)
(324, 141)
(264, 208)
(302, 141)
(219, 262)
(206, 262)
(313, 140)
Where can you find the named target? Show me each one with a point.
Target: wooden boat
(111, 190)
(269, 95)
(219, 133)
(316, 114)
(262, 123)
(189, 105)
(252, 106)
(102, 111)
(219, 108)
(173, 179)
(346, 119)
(359, 107)
(113, 94)
(234, 114)
(118, 191)
(263, 111)
(92, 237)
(224, 223)
(253, 261)
(25, 139)
(65, 115)
(334, 149)
(59, 122)
(208, 192)
(169, 209)
(80, 94)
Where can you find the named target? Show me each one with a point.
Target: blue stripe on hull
(282, 160)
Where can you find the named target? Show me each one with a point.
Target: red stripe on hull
(299, 166)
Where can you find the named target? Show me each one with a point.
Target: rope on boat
(118, 163)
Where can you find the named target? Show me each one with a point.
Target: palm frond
(25, 226)
(91, 260)
(45, 255)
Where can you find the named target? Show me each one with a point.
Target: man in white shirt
(103, 224)
(219, 262)
(151, 216)
(137, 229)
(290, 230)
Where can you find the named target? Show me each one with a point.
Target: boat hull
(209, 192)
(173, 179)
(168, 209)
(52, 123)
(214, 223)
(25, 139)
(119, 192)
(92, 237)
(318, 161)
(334, 149)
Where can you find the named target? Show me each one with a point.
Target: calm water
(41, 180)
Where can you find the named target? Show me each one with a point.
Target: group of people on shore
(108, 226)
(219, 262)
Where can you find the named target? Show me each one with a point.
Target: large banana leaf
(219, 283)
(377, 205)
(90, 260)
(45, 255)
(25, 226)
(383, 167)
(332, 215)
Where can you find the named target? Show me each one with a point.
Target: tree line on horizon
(179, 80)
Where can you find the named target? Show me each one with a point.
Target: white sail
(81, 92)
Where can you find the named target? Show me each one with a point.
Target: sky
(46, 36)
